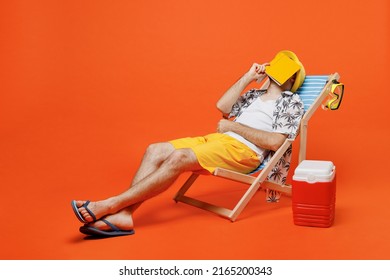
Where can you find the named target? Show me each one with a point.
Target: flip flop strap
(85, 205)
(113, 227)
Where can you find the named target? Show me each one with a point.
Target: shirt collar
(287, 93)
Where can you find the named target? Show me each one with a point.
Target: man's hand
(225, 125)
(257, 71)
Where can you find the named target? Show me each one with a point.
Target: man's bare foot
(122, 220)
(96, 211)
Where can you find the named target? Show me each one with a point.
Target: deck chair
(313, 92)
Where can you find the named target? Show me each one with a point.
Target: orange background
(85, 86)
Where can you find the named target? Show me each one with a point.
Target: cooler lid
(313, 171)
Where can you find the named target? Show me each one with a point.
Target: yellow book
(281, 68)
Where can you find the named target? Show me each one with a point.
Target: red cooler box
(314, 193)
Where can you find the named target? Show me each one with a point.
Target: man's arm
(264, 139)
(226, 102)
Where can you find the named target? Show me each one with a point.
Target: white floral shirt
(287, 116)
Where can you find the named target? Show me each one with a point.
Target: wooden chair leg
(186, 186)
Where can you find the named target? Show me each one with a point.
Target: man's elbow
(223, 108)
(277, 143)
(274, 147)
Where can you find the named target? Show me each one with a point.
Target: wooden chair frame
(259, 181)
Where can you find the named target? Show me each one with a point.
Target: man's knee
(182, 159)
(158, 149)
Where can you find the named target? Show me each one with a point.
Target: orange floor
(86, 86)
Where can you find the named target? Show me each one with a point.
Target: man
(263, 120)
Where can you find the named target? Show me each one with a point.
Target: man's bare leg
(162, 173)
(154, 155)
(153, 158)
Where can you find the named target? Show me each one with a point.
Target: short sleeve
(287, 115)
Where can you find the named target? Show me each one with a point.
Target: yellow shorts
(220, 150)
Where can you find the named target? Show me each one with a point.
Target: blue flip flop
(115, 231)
(78, 214)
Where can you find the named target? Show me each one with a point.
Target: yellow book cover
(281, 68)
